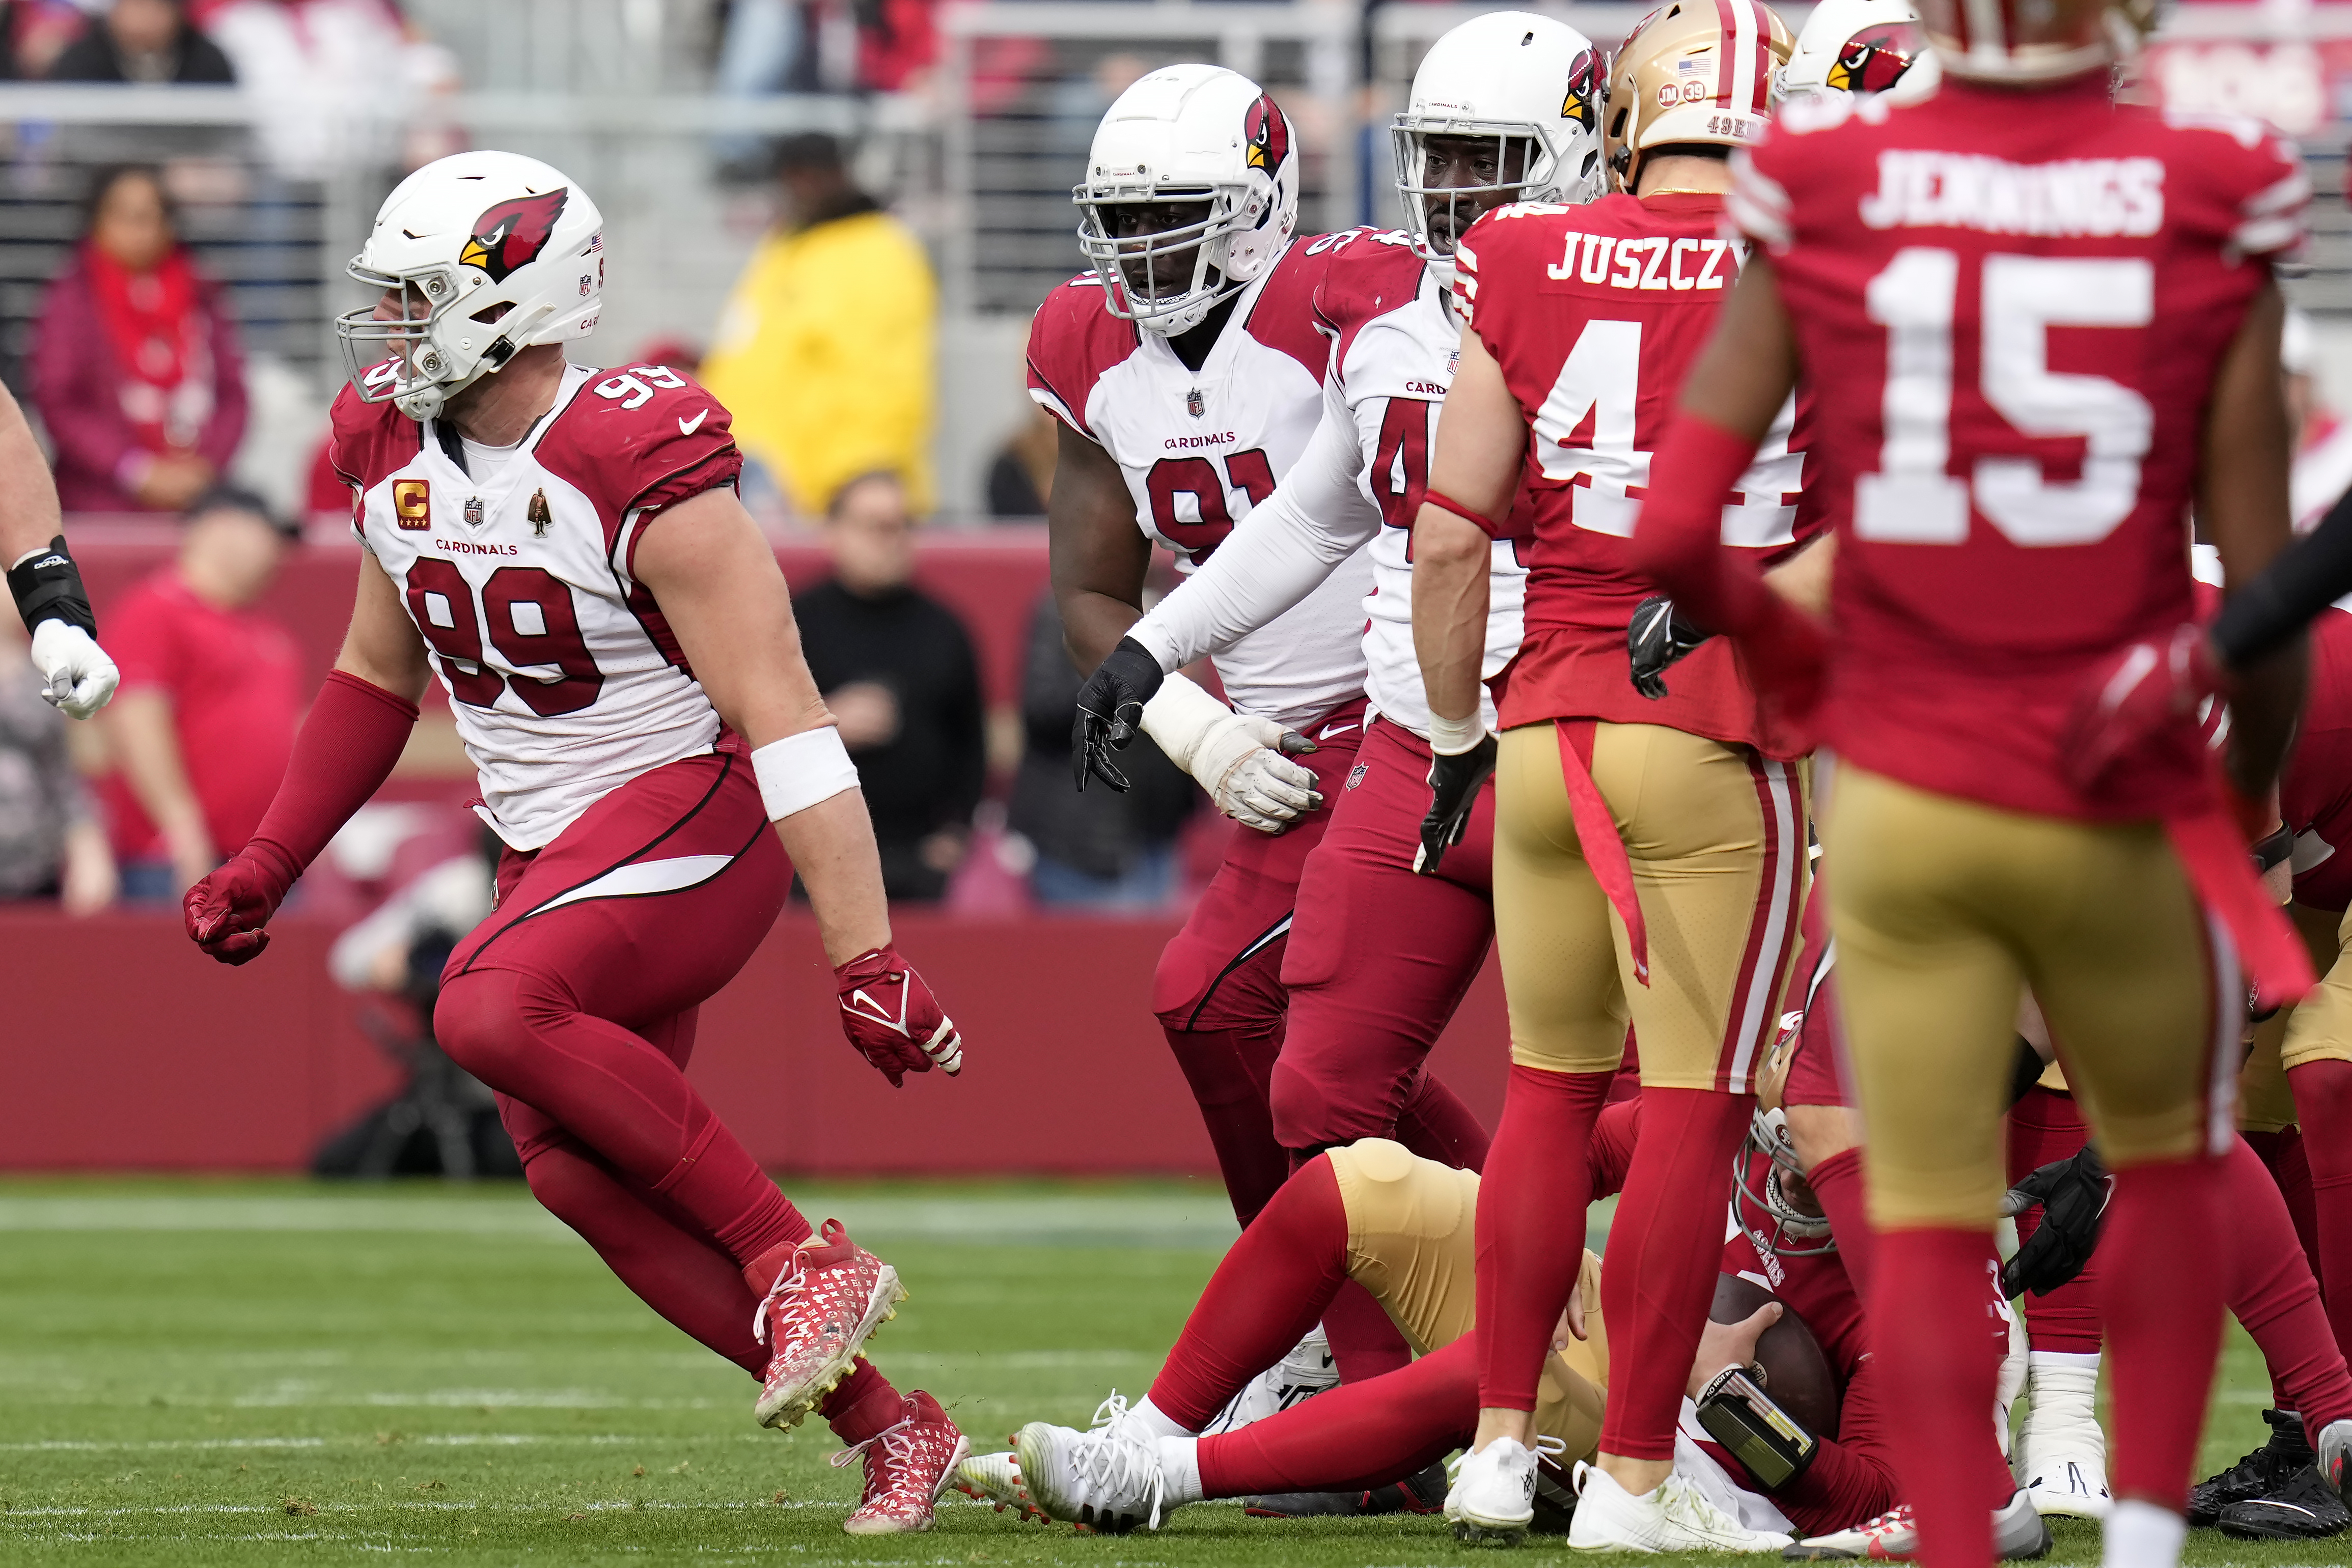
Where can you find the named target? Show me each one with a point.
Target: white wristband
(1453, 737)
(801, 770)
(1179, 716)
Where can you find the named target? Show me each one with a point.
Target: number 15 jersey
(563, 676)
(2010, 307)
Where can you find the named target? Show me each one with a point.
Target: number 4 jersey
(1200, 449)
(1595, 315)
(2010, 307)
(515, 564)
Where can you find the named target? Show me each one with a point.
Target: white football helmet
(1192, 192)
(492, 253)
(1512, 78)
(1862, 47)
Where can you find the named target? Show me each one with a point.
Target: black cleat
(2306, 1509)
(2259, 1474)
(1423, 1493)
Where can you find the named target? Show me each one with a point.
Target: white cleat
(2335, 1461)
(2062, 1453)
(995, 1479)
(1675, 1517)
(2018, 1536)
(1493, 1497)
(1307, 1371)
(1106, 1478)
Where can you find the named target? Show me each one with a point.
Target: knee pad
(478, 1022)
(1312, 1111)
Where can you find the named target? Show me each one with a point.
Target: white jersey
(1201, 450)
(564, 677)
(1358, 485)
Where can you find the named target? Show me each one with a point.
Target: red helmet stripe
(1743, 76)
(1726, 23)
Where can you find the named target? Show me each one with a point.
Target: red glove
(226, 911)
(2146, 689)
(891, 1017)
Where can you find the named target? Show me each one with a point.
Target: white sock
(1180, 1470)
(2060, 1386)
(1156, 1421)
(2142, 1535)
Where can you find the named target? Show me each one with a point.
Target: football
(1795, 1372)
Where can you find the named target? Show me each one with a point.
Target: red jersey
(1595, 314)
(2010, 307)
(2315, 794)
(235, 679)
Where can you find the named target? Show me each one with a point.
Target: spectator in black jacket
(143, 41)
(897, 668)
(1100, 849)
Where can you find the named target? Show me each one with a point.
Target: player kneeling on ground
(564, 548)
(1402, 1227)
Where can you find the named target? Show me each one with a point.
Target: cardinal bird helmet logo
(1582, 82)
(1268, 134)
(511, 234)
(1876, 58)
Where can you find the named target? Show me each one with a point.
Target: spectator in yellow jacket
(824, 351)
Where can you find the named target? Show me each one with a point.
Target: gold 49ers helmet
(2035, 40)
(1692, 71)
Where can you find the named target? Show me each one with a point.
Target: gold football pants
(1715, 836)
(1410, 1243)
(1942, 909)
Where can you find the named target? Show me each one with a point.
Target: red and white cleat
(906, 1468)
(828, 1300)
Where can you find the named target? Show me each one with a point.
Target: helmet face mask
(1160, 259)
(1774, 1203)
(474, 257)
(1505, 107)
(1449, 180)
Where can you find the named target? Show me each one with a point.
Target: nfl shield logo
(473, 511)
(1453, 362)
(1356, 774)
(1194, 403)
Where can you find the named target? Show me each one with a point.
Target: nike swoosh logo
(689, 427)
(1331, 729)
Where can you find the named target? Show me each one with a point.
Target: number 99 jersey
(564, 677)
(1201, 449)
(2010, 307)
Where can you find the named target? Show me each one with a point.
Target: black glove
(1111, 711)
(2073, 1196)
(1454, 785)
(1655, 639)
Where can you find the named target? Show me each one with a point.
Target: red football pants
(1379, 956)
(575, 1001)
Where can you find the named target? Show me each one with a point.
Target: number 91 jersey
(564, 677)
(1201, 449)
(2010, 307)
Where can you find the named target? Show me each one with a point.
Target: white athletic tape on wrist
(1453, 737)
(802, 770)
(1177, 716)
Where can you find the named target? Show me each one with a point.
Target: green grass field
(266, 1372)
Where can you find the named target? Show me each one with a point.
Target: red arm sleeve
(342, 757)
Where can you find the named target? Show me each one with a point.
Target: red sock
(2161, 1298)
(2284, 1156)
(674, 1270)
(1535, 1180)
(1363, 1338)
(2323, 1100)
(2046, 1125)
(1663, 1248)
(1837, 1182)
(1273, 1285)
(2274, 1296)
(862, 1405)
(618, 1093)
(1229, 1071)
(1926, 1325)
(1359, 1436)
(1436, 1125)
